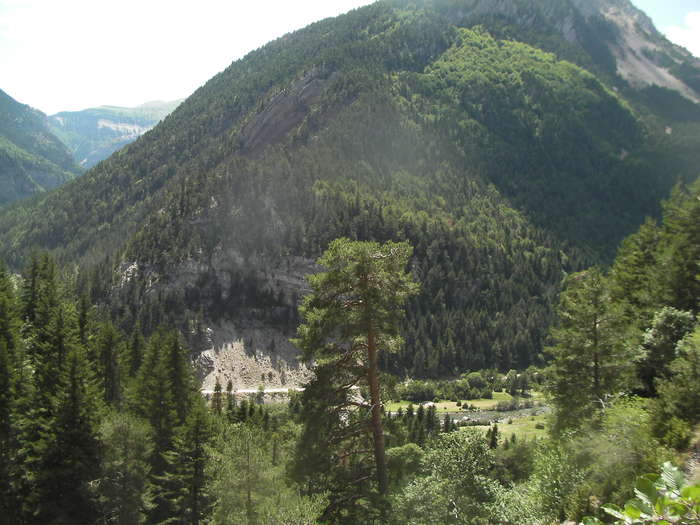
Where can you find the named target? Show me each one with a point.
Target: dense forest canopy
(547, 209)
(101, 425)
(32, 159)
(481, 139)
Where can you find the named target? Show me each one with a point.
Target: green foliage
(590, 362)
(187, 479)
(475, 385)
(660, 498)
(69, 460)
(502, 165)
(127, 447)
(32, 159)
(249, 482)
(455, 488)
(657, 266)
(353, 313)
(411, 127)
(404, 463)
(677, 408)
(514, 461)
(146, 457)
(360, 295)
(658, 347)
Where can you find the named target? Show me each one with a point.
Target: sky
(66, 55)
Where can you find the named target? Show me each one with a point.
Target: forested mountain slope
(500, 141)
(93, 134)
(32, 159)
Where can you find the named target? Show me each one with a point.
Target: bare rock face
(640, 48)
(281, 113)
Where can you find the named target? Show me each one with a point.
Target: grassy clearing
(524, 427)
(451, 406)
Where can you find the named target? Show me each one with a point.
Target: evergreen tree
(678, 268)
(353, 312)
(127, 443)
(447, 423)
(135, 351)
(590, 362)
(216, 398)
(9, 341)
(70, 458)
(188, 471)
(677, 408)
(107, 348)
(658, 348)
(492, 436)
(164, 395)
(154, 400)
(230, 402)
(30, 289)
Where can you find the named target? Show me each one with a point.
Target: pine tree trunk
(377, 430)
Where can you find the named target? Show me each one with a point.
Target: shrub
(661, 498)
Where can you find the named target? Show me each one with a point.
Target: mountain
(509, 142)
(32, 159)
(94, 134)
(611, 36)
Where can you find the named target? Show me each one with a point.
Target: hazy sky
(60, 55)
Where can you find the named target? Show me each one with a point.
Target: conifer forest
(430, 262)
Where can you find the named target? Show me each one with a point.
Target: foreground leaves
(660, 498)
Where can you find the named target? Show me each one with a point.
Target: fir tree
(70, 458)
(127, 445)
(590, 362)
(106, 353)
(9, 341)
(187, 473)
(216, 399)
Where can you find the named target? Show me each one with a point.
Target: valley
(429, 261)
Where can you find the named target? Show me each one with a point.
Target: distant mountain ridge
(93, 134)
(32, 158)
(497, 137)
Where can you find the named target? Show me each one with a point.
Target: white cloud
(687, 35)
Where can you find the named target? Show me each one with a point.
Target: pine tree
(135, 351)
(353, 312)
(492, 436)
(590, 362)
(230, 402)
(447, 423)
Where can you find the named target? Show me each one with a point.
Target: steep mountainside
(497, 137)
(94, 134)
(32, 159)
(615, 37)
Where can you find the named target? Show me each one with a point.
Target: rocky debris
(250, 357)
